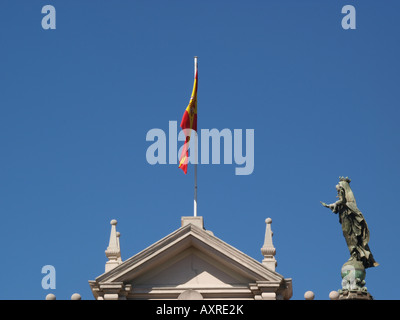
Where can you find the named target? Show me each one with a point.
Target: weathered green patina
(356, 233)
(354, 227)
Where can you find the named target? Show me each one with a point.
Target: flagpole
(195, 156)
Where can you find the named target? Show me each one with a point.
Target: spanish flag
(189, 121)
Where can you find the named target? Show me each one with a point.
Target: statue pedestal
(355, 295)
(353, 282)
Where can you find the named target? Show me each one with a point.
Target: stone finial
(113, 251)
(268, 250)
(309, 295)
(334, 295)
(50, 296)
(76, 296)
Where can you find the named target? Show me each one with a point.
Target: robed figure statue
(354, 226)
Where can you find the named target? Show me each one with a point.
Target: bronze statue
(354, 226)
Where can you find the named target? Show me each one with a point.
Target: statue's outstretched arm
(334, 206)
(331, 206)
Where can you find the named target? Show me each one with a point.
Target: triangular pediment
(215, 258)
(191, 269)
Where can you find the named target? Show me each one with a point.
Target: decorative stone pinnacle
(268, 250)
(113, 251)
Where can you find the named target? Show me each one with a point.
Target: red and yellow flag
(189, 121)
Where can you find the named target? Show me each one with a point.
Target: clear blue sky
(76, 104)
